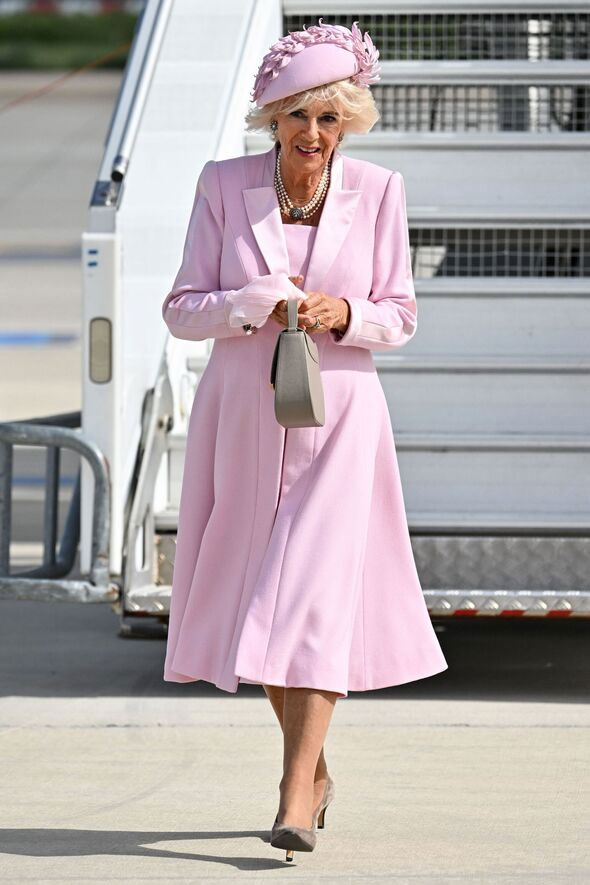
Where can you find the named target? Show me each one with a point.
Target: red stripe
(559, 612)
(511, 612)
(465, 611)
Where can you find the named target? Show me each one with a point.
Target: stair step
(432, 523)
(504, 287)
(492, 524)
(492, 442)
(166, 520)
(484, 363)
(497, 442)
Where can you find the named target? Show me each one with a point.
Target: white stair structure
(182, 102)
(486, 112)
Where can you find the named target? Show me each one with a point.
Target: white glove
(257, 299)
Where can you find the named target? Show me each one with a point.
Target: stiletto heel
(292, 838)
(300, 838)
(320, 812)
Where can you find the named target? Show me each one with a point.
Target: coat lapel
(264, 216)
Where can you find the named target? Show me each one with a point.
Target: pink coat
(293, 563)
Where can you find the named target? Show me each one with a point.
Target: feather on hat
(317, 55)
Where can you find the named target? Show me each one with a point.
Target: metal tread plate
(504, 575)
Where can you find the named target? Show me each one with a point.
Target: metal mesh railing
(471, 36)
(482, 108)
(500, 252)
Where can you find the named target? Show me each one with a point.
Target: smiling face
(315, 127)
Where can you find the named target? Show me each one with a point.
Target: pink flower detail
(281, 53)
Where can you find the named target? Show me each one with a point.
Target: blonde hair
(355, 103)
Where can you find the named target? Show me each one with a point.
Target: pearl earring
(273, 128)
(340, 137)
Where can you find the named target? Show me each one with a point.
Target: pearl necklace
(285, 202)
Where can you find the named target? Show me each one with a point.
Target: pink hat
(317, 55)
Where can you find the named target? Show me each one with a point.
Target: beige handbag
(295, 376)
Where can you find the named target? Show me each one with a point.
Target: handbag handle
(292, 304)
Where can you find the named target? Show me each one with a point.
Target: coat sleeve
(196, 308)
(388, 317)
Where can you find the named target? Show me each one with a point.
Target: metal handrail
(143, 82)
(41, 583)
(129, 65)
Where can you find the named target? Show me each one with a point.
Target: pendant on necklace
(296, 212)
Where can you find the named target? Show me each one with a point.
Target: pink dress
(294, 564)
(300, 239)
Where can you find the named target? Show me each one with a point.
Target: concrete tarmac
(479, 774)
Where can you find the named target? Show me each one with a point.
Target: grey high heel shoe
(299, 838)
(292, 838)
(320, 812)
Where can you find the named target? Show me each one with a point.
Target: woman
(294, 567)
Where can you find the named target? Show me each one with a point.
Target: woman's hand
(334, 313)
(279, 312)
